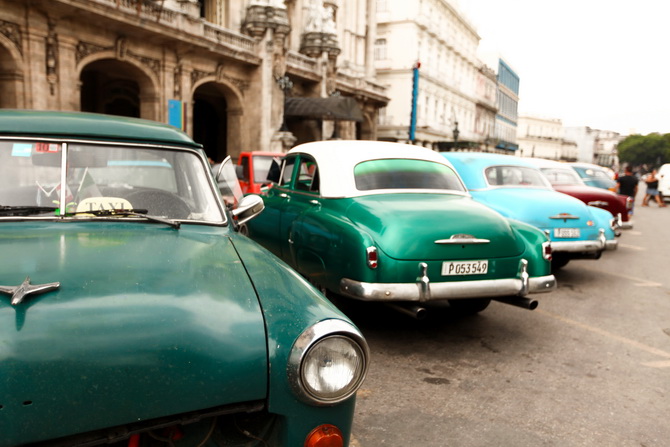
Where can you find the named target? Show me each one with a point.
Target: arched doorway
(11, 80)
(210, 120)
(116, 88)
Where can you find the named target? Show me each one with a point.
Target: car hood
(535, 206)
(147, 321)
(407, 226)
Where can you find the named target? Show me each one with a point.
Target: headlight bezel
(303, 346)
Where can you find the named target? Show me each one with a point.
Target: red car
(564, 179)
(255, 166)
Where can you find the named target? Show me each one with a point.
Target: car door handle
(315, 202)
(283, 195)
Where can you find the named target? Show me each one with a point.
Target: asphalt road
(589, 367)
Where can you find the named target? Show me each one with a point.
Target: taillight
(546, 250)
(325, 435)
(372, 258)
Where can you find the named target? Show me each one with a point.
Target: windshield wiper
(23, 210)
(125, 212)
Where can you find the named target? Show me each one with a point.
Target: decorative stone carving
(266, 14)
(219, 75)
(177, 81)
(51, 57)
(321, 31)
(85, 49)
(12, 31)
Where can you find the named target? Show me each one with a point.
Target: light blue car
(518, 190)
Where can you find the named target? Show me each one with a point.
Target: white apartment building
(544, 138)
(595, 146)
(435, 34)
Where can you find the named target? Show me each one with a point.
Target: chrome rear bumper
(600, 244)
(424, 290)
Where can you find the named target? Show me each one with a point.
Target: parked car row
(133, 313)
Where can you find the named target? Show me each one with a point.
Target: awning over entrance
(331, 108)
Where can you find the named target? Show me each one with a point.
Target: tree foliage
(652, 149)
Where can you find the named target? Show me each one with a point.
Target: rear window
(514, 176)
(405, 174)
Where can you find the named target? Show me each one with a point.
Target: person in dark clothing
(628, 184)
(652, 190)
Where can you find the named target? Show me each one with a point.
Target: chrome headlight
(328, 362)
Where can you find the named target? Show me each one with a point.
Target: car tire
(558, 262)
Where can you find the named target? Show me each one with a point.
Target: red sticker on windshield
(47, 147)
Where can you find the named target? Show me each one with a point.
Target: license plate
(464, 268)
(566, 232)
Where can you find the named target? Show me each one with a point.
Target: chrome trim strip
(462, 241)
(564, 217)
(490, 288)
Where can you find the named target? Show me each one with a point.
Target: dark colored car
(564, 179)
(133, 313)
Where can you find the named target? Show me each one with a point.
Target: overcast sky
(598, 63)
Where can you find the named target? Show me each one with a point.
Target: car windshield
(562, 176)
(165, 183)
(515, 176)
(405, 174)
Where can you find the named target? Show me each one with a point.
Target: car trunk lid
(436, 227)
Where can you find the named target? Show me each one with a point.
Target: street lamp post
(456, 132)
(285, 84)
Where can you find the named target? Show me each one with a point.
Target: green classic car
(133, 313)
(389, 222)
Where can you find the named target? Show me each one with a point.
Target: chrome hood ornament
(18, 293)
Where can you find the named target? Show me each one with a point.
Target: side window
(287, 172)
(308, 179)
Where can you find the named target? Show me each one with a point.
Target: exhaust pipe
(519, 301)
(416, 312)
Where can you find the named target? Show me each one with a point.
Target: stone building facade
(222, 70)
(544, 138)
(435, 34)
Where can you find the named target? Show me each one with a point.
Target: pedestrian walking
(628, 185)
(652, 190)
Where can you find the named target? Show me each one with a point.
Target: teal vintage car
(133, 313)
(389, 222)
(516, 188)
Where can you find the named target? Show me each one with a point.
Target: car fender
(603, 219)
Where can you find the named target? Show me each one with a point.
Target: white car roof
(546, 163)
(336, 160)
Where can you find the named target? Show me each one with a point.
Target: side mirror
(249, 207)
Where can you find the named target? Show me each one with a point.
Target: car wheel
(469, 306)
(558, 262)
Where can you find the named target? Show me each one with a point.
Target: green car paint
(413, 212)
(136, 326)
